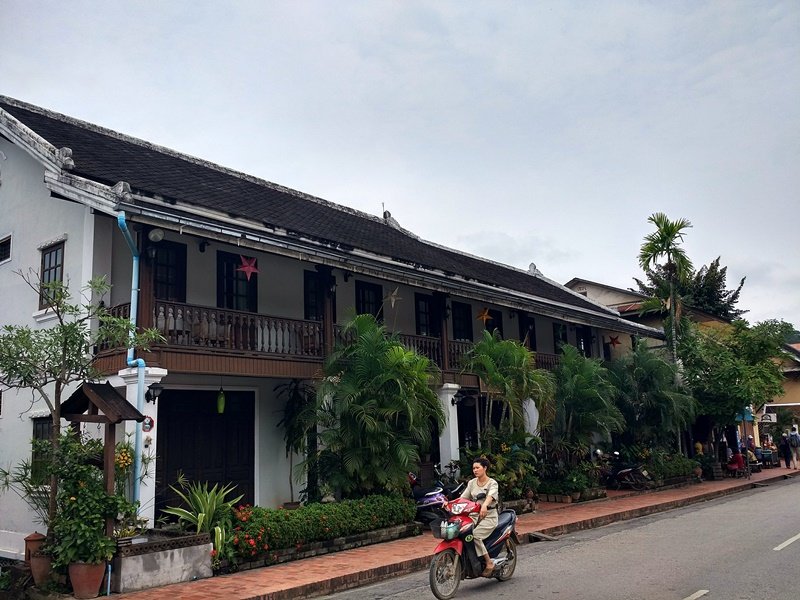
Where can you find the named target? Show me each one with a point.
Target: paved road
(741, 547)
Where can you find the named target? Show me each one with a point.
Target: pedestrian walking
(785, 449)
(794, 444)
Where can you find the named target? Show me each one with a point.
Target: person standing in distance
(794, 444)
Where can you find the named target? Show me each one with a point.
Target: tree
(375, 410)
(49, 360)
(655, 408)
(664, 244)
(508, 370)
(584, 404)
(730, 370)
(704, 289)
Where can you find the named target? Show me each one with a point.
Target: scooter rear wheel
(445, 574)
(511, 561)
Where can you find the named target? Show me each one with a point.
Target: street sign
(769, 418)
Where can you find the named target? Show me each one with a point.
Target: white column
(147, 491)
(531, 417)
(448, 439)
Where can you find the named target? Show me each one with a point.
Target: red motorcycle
(455, 557)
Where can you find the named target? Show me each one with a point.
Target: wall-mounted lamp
(346, 275)
(153, 392)
(151, 252)
(155, 235)
(203, 245)
(332, 285)
(465, 398)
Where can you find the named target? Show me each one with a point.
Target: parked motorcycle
(615, 474)
(455, 558)
(430, 501)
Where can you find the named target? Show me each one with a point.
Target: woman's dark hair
(482, 461)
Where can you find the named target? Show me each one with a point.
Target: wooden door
(204, 445)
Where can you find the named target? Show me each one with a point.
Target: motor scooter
(430, 501)
(615, 474)
(455, 558)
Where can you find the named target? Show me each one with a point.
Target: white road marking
(787, 542)
(696, 595)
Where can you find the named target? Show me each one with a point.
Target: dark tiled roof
(108, 157)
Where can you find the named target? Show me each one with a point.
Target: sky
(523, 132)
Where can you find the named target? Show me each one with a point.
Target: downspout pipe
(135, 362)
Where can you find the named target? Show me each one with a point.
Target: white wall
(33, 219)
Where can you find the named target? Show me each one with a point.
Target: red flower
(213, 553)
(251, 542)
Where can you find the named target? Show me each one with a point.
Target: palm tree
(664, 244)
(584, 404)
(654, 407)
(508, 370)
(375, 410)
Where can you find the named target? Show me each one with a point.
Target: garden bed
(325, 547)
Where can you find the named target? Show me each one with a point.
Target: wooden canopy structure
(101, 403)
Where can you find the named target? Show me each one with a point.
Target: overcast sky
(542, 132)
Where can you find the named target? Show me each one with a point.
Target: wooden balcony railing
(547, 361)
(204, 327)
(431, 347)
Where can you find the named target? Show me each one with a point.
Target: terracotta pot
(41, 569)
(86, 579)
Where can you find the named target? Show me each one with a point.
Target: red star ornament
(484, 316)
(614, 340)
(248, 266)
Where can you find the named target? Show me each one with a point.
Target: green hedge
(257, 530)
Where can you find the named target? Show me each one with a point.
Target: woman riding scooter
(486, 521)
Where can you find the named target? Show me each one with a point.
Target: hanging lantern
(221, 401)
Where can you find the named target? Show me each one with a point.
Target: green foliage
(654, 407)
(5, 579)
(257, 530)
(299, 424)
(703, 289)
(375, 409)
(513, 466)
(83, 505)
(508, 370)
(664, 465)
(584, 405)
(207, 508)
(728, 370)
(664, 244)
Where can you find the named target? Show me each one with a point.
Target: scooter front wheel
(507, 570)
(445, 574)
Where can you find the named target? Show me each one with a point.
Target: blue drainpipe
(135, 362)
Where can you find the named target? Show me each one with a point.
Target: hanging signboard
(769, 418)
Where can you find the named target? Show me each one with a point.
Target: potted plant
(79, 541)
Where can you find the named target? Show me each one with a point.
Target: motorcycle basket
(445, 530)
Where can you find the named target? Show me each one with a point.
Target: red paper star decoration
(484, 316)
(248, 266)
(614, 340)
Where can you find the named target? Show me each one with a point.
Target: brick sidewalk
(351, 568)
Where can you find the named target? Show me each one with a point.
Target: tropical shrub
(585, 407)
(375, 410)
